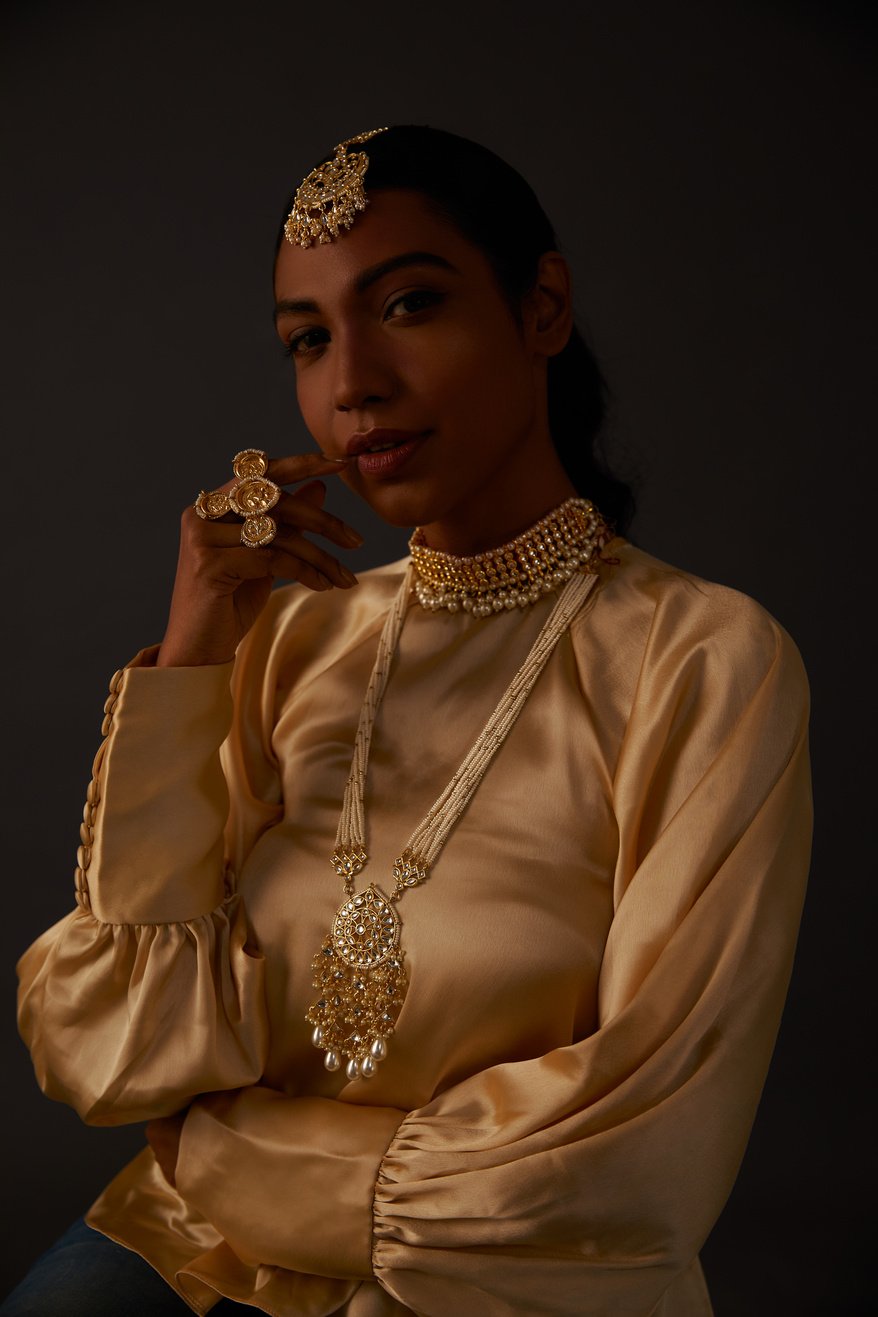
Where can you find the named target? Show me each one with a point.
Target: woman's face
(400, 335)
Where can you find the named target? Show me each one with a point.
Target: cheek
(312, 404)
(467, 365)
(482, 379)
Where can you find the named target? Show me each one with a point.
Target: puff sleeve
(584, 1181)
(149, 992)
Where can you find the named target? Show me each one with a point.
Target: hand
(222, 585)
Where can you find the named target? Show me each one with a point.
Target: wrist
(177, 656)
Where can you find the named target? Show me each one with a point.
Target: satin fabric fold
(597, 964)
(103, 1000)
(256, 1138)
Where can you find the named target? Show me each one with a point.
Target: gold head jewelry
(332, 195)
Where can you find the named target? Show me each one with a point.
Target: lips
(381, 452)
(379, 439)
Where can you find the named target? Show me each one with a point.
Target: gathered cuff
(287, 1181)
(192, 1018)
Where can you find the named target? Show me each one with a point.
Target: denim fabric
(84, 1274)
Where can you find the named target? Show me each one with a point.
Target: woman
(512, 1066)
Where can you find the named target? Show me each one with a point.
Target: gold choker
(569, 539)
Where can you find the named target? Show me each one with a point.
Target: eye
(419, 299)
(305, 341)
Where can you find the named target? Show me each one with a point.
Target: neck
(498, 515)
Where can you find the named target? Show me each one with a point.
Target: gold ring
(250, 462)
(250, 497)
(212, 504)
(258, 531)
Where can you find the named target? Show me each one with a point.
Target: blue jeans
(84, 1274)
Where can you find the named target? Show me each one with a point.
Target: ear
(548, 307)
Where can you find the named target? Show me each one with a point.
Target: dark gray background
(708, 168)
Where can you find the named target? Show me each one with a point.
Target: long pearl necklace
(359, 971)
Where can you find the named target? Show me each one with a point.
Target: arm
(149, 992)
(583, 1181)
(151, 976)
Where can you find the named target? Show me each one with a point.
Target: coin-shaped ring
(250, 462)
(253, 495)
(258, 530)
(211, 504)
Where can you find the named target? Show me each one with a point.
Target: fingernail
(348, 577)
(353, 536)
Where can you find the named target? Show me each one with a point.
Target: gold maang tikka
(332, 195)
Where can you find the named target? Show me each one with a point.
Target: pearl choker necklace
(567, 540)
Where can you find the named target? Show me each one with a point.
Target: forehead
(394, 221)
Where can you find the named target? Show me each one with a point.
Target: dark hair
(493, 206)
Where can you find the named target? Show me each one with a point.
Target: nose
(362, 374)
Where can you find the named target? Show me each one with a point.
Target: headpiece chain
(332, 195)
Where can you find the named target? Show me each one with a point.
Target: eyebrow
(365, 280)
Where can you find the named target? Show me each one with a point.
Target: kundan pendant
(360, 975)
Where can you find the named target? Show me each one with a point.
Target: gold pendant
(360, 975)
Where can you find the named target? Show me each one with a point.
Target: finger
(282, 565)
(314, 493)
(301, 510)
(286, 568)
(290, 470)
(239, 560)
(229, 567)
(291, 516)
(293, 510)
(291, 542)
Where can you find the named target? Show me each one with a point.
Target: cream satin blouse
(597, 963)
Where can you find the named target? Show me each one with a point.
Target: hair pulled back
(498, 211)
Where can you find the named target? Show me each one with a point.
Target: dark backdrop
(708, 167)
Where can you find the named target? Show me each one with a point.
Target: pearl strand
(374, 995)
(516, 574)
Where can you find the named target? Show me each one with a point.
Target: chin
(401, 505)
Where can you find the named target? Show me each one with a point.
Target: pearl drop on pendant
(367, 1067)
(378, 1049)
(332, 1060)
(352, 1069)
(317, 1036)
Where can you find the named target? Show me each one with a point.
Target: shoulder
(663, 620)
